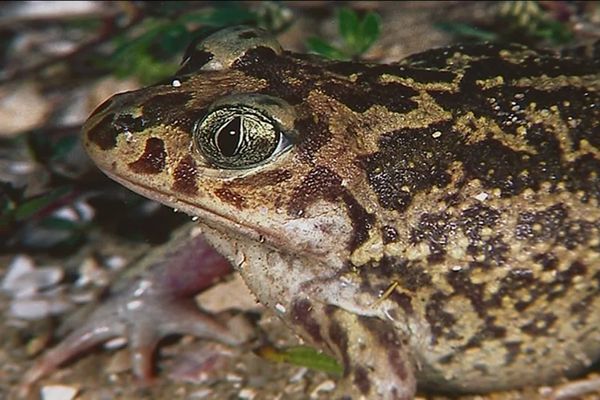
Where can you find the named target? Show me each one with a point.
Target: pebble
(38, 308)
(58, 392)
(201, 394)
(23, 279)
(247, 394)
(326, 386)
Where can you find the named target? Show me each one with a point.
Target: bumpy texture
(435, 220)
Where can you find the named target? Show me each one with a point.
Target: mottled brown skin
(435, 221)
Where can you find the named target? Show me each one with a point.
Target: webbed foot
(156, 302)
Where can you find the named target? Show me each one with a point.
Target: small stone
(481, 196)
(19, 266)
(115, 343)
(233, 378)
(116, 263)
(23, 280)
(58, 392)
(86, 212)
(247, 394)
(37, 308)
(299, 375)
(280, 307)
(201, 394)
(66, 213)
(325, 386)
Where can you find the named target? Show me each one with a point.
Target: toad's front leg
(377, 364)
(155, 302)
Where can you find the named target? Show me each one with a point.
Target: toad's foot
(156, 302)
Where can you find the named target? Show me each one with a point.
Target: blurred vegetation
(528, 22)
(357, 36)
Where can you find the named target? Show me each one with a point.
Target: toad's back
(462, 184)
(487, 194)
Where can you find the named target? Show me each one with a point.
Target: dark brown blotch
(389, 234)
(434, 229)
(361, 379)
(185, 176)
(438, 58)
(323, 183)
(360, 96)
(404, 301)
(130, 124)
(194, 60)
(411, 275)
(490, 332)
(227, 195)
(152, 160)
(441, 321)
(249, 34)
(513, 349)
(540, 325)
(157, 108)
(475, 218)
(541, 226)
(288, 78)
(361, 220)
(584, 307)
(302, 316)
(463, 285)
(338, 336)
(263, 179)
(563, 282)
(386, 336)
(319, 183)
(314, 134)
(410, 161)
(103, 134)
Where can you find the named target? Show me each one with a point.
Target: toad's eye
(239, 136)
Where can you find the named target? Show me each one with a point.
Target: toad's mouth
(277, 239)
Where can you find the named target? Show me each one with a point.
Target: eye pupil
(228, 138)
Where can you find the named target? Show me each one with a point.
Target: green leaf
(63, 146)
(174, 39)
(321, 47)
(554, 31)
(60, 224)
(36, 204)
(349, 26)
(369, 30)
(302, 356)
